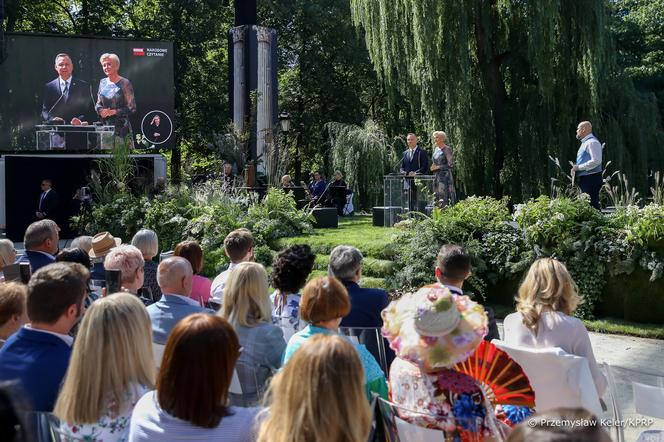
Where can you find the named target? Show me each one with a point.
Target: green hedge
(617, 260)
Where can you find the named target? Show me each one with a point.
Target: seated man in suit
(452, 269)
(174, 276)
(239, 247)
(38, 354)
(366, 304)
(41, 244)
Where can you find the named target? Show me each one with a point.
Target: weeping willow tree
(364, 154)
(509, 80)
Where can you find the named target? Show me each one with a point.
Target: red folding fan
(503, 379)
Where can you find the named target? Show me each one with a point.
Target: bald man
(174, 276)
(588, 167)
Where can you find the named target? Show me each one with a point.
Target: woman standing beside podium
(115, 99)
(442, 163)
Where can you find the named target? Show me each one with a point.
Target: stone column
(264, 103)
(239, 77)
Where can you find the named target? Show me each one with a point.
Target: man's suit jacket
(166, 312)
(37, 260)
(79, 101)
(419, 163)
(38, 360)
(49, 206)
(366, 306)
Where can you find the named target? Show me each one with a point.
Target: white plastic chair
(558, 378)
(640, 404)
(158, 353)
(372, 338)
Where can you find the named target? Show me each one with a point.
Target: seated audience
(318, 396)
(431, 331)
(324, 303)
(286, 181)
(147, 242)
(541, 427)
(41, 242)
(337, 192)
(38, 354)
(174, 277)
(192, 252)
(247, 308)
(7, 255)
(83, 242)
(547, 299)
(82, 258)
(452, 269)
(189, 403)
(111, 368)
(14, 408)
(366, 304)
(102, 244)
(289, 274)
(129, 260)
(239, 247)
(13, 309)
(74, 255)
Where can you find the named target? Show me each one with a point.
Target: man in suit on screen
(67, 99)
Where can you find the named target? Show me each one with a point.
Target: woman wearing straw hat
(102, 243)
(430, 331)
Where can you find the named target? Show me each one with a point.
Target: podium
(70, 137)
(404, 194)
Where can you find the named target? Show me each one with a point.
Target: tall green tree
(324, 75)
(508, 80)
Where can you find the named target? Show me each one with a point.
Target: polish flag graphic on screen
(139, 52)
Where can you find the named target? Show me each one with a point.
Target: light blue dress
(374, 378)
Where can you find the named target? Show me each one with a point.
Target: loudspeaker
(326, 217)
(386, 216)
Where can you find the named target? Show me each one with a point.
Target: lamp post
(285, 121)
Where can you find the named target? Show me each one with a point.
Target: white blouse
(556, 329)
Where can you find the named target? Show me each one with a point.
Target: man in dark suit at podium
(414, 162)
(67, 100)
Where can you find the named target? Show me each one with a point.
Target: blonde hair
(436, 133)
(318, 395)
(113, 57)
(112, 353)
(548, 286)
(246, 301)
(6, 250)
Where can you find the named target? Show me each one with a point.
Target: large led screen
(85, 94)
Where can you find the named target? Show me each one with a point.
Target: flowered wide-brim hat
(434, 328)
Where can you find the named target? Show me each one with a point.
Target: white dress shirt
(594, 149)
(68, 339)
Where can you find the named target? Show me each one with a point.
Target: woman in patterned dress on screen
(115, 99)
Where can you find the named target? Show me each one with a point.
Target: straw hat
(102, 243)
(434, 328)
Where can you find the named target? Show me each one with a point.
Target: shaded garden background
(508, 80)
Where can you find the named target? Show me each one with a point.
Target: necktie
(41, 200)
(65, 92)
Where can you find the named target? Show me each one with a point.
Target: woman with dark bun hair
(289, 274)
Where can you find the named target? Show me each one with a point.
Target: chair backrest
(639, 399)
(558, 378)
(158, 353)
(372, 338)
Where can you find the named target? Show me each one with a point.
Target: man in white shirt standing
(588, 167)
